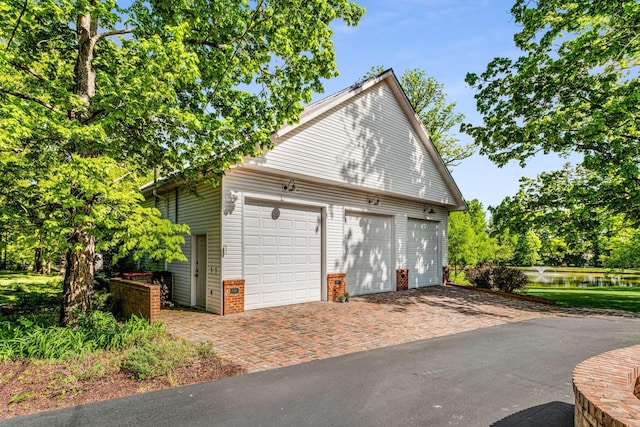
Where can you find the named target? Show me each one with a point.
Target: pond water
(548, 276)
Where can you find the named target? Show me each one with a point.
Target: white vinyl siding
(368, 253)
(367, 142)
(203, 216)
(241, 183)
(422, 253)
(282, 254)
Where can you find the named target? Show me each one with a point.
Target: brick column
(402, 279)
(336, 286)
(445, 274)
(233, 296)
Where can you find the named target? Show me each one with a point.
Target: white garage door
(282, 255)
(422, 253)
(367, 241)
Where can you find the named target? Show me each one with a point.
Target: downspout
(176, 206)
(155, 192)
(166, 200)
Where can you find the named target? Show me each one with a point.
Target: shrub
(480, 276)
(155, 358)
(491, 276)
(509, 279)
(101, 281)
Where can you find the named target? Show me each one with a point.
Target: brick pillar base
(336, 286)
(402, 279)
(233, 296)
(445, 274)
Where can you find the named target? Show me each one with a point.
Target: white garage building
(354, 195)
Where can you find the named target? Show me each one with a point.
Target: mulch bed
(26, 388)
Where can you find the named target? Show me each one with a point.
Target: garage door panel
(285, 241)
(286, 277)
(285, 259)
(368, 259)
(422, 253)
(289, 244)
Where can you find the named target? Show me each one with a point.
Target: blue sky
(447, 39)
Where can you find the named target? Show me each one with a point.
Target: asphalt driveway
(514, 374)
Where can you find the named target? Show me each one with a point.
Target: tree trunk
(78, 276)
(40, 264)
(79, 258)
(37, 260)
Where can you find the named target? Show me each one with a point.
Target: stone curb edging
(606, 389)
(528, 298)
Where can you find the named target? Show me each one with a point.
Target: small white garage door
(422, 253)
(367, 241)
(282, 255)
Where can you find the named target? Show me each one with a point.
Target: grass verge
(609, 297)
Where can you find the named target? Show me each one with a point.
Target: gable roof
(320, 110)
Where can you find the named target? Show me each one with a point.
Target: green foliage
(469, 240)
(623, 249)
(461, 239)
(152, 359)
(492, 276)
(100, 281)
(34, 295)
(94, 96)
(480, 276)
(484, 246)
(99, 330)
(509, 279)
(94, 344)
(559, 207)
(528, 249)
(20, 397)
(428, 99)
(205, 349)
(574, 90)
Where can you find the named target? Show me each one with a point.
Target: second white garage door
(368, 263)
(282, 255)
(422, 253)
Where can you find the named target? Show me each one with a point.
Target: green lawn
(23, 291)
(611, 297)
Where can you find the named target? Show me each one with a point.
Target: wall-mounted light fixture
(374, 200)
(230, 196)
(290, 186)
(429, 210)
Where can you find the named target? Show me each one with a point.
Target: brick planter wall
(402, 279)
(336, 286)
(233, 296)
(136, 298)
(145, 276)
(606, 389)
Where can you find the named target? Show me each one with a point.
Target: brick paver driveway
(292, 334)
